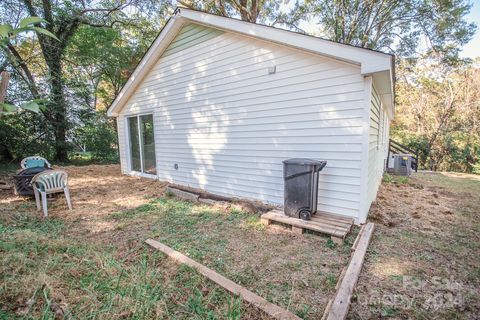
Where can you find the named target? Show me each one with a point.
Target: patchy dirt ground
(92, 262)
(423, 261)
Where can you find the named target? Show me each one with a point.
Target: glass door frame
(139, 133)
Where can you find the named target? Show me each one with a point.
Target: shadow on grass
(115, 275)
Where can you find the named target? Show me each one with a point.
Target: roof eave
(372, 63)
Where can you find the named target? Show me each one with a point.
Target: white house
(218, 103)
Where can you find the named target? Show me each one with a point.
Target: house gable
(227, 121)
(190, 35)
(376, 64)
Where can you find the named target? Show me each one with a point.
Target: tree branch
(47, 13)
(21, 63)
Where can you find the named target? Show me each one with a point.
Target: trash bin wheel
(305, 214)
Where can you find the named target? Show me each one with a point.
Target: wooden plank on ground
(354, 245)
(268, 307)
(183, 194)
(321, 218)
(345, 228)
(338, 309)
(340, 232)
(326, 216)
(329, 221)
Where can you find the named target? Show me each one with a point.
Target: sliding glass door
(148, 144)
(142, 144)
(135, 160)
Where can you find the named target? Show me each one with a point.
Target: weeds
(234, 311)
(388, 178)
(330, 244)
(48, 262)
(331, 280)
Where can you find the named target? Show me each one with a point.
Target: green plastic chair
(34, 161)
(48, 182)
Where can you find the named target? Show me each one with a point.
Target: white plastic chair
(24, 163)
(48, 182)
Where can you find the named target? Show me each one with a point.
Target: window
(142, 144)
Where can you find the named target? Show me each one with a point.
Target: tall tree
(63, 19)
(403, 27)
(438, 113)
(63, 22)
(100, 44)
(248, 10)
(7, 33)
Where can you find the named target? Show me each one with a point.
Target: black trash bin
(300, 177)
(23, 180)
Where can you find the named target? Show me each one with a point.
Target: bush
(98, 138)
(23, 135)
(476, 168)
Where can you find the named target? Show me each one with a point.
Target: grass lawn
(424, 258)
(92, 262)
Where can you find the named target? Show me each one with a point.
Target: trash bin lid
(304, 162)
(31, 171)
(308, 164)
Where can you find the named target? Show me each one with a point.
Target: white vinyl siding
(228, 124)
(189, 36)
(378, 144)
(122, 144)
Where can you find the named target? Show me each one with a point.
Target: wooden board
(183, 194)
(337, 309)
(268, 307)
(337, 227)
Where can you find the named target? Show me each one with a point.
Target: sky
(472, 49)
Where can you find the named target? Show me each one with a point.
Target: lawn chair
(34, 161)
(48, 182)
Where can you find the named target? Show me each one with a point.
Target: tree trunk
(4, 77)
(57, 108)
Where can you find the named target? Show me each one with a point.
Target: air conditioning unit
(402, 164)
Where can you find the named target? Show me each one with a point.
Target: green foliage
(90, 65)
(98, 46)
(234, 311)
(8, 33)
(476, 168)
(98, 136)
(331, 280)
(33, 106)
(27, 24)
(330, 244)
(103, 62)
(402, 180)
(6, 107)
(5, 30)
(24, 134)
(437, 113)
(387, 178)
